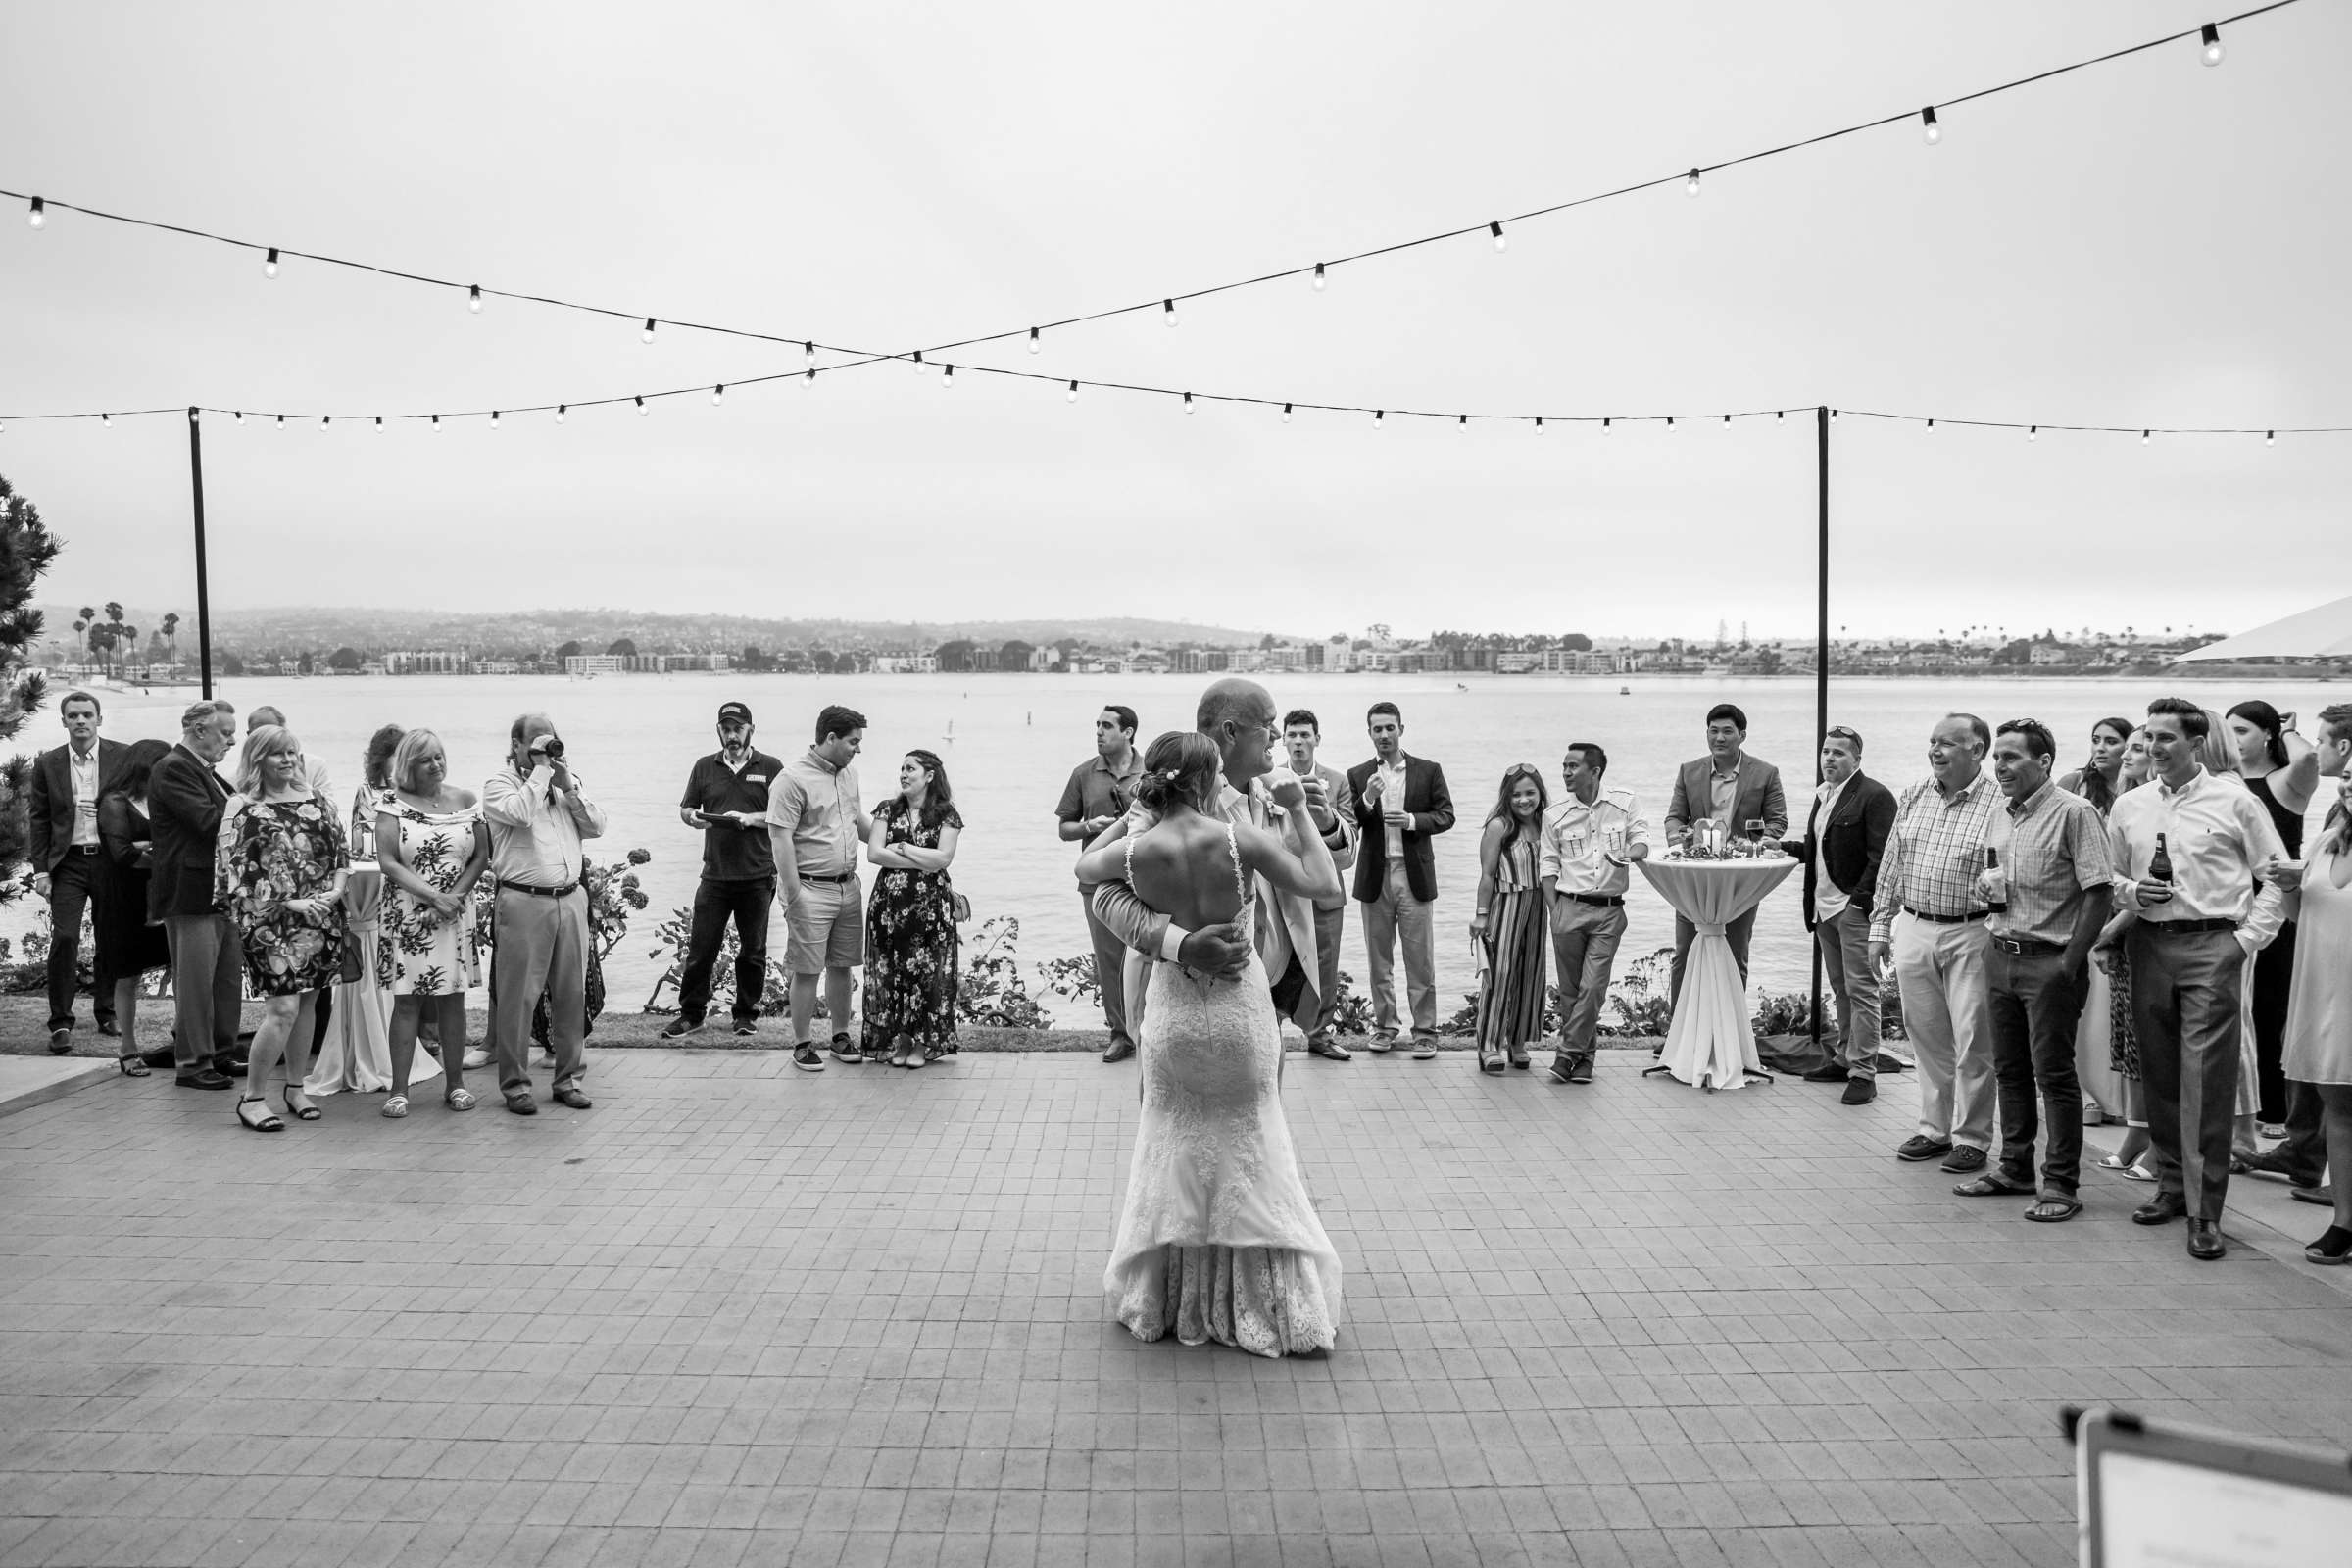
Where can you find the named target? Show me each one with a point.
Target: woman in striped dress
(1509, 928)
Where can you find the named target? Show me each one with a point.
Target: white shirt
(1391, 799)
(1572, 848)
(2216, 835)
(1828, 898)
(85, 794)
(536, 829)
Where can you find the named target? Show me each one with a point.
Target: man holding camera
(727, 797)
(538, 816)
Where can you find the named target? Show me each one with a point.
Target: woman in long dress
(910, 941)
(128, 945)
(2283, 770)
(357, 1053)
(2319, 1010)
(2102, 1086)
(1508, 925)
(2132, 769)
(432, 846)
(1218, 1239)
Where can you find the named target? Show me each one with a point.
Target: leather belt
(1944, 919)
(1608, 900)
(2027, 947)
(538, 892)
(83, 849)
(2182, 928)
(832, 881)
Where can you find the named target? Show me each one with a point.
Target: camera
(553, 751)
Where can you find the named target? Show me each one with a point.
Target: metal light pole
(1821, 646)
(204, 598)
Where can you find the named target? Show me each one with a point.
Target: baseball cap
(734, 710)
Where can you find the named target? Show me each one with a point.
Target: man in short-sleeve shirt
(815, 823)
(1099, 793)
(727, 797)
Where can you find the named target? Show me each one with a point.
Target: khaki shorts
(828, 928)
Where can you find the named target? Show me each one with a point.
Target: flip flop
(1991, 1185)
(2053, 1211)
(2110, 1162)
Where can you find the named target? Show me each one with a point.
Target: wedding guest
(1099, 792)
(60, 828)
(910, 940)
(1587, 842)
(322, 785)
(2050, 901)
(355, 1051)
(727, 797)
(185, 802)
(2097, 781)
(1330, 805)
(2282, 769)
(1507, 925)
(2113, 960)
(1927, 918)
(2319, 1017)
(282, 884)
(432, 846)
(815, 822)
(1736, 790)
(2302, 1154)
(1401, 803)
(128, 942)
(1846, 840)
(538, 814)
(2189, 947)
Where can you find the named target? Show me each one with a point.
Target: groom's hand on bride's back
(1218, 950)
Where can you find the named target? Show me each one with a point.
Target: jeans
(1845, 943)
(72, 888)
(2037, 1003)
(748, 905)
(1585, 938)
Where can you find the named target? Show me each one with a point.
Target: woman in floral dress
(433, 848)
(281, 882)
(910, 940)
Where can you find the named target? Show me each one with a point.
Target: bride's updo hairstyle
(1180, 768)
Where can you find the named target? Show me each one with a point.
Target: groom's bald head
(1240, 716)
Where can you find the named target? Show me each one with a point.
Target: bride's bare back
(1185, 867)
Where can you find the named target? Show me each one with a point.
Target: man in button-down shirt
(816, 822)
(1928, 918)
(1099, 792)
(1584, 845)
(1846, 838)
(2188, 948)
(62, 842)
(2053, 881)
(538, 816)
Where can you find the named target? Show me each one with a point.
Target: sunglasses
(1840, 732)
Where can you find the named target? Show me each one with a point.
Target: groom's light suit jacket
(1285, 922)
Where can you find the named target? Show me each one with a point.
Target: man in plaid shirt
(1928, 919)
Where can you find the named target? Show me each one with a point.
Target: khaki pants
(1110, 974)
(542, 946)
(1948, 1013)
(1394, 914)
(1844, 944)
(1328, 925)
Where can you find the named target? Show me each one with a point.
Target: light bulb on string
(1188, 403)
(1380, 418)
(1286, 413)
(493, 418)
(326, 420)
(1461, 422)
(947, 378)
(2143, 439)
(1073, 392)
(282, 421)
(808, 351)
(270, 263)
(808, 381)
(379, 424)
(2211, 37)
(1035, 342)
(718, 395)
(561, 409)
(2032, 432)
(2270, 438)
(1691, 184)
(1538, 421)
(1931, 424)
(1501, 241)
(106, 421)
(1318, 277)
(240, 416)
(1605, 427)
(1928, 126)
(38, 214)
(474, 298)
(1167, 312)
(1727, 419)
(645, 334)
(641, 408)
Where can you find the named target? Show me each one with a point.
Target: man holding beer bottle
(2187, 853)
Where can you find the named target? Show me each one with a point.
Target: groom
(1241, 718)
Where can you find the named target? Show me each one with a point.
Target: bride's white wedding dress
(1218, 1239)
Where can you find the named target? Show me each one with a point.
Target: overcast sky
(2150, 241)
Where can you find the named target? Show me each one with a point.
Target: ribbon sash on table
(1710, 1042)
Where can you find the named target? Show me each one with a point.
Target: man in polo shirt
(2199, 917)
(538, 816)
(1587, 842)
(1099, 793)
(727, 797)
(815, 822)
(1926, 917)
(2049, 899)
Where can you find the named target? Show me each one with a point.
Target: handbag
(960, 908)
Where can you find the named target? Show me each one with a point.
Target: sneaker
(681, 1026)
(1424, 1048)
(476, 1056)
(1833, 1073)
(1859, 1091)
(804, 1057)
(1561, 1071)
(1921, 1147)
(1964, 1160)
(1382, 1044)
(1580, 1068)
(747, 1027)
(844, 1051)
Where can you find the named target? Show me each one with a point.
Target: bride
(1218, 1239)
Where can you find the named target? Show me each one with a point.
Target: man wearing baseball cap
(727, 797)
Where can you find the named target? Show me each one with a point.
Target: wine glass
(1756, 835)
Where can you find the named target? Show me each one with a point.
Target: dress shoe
(1833, 1073)
(60, 1040)
(2205, 1241)
(2324, 1197)
(1329, 1051)
(2159, 1211)
(201, 1078)
(1963, 1159)
(1921, 1147)
(1859, 1091)
(1120, 1051)
(572, 1097)
(2269, 1163)
(108, 1028)
(523, 1104)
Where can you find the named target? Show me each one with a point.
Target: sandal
(306, 1111)
(2110, 1162)
(130, 1066)
(916, 1057)
(2054, 1210)
(1488, 1064)
(268, 1123)
(1992, 1184)
(1521, 1062)
(395, 1108)
(2137, 1172)
(2332, 1248)
(459, 1099)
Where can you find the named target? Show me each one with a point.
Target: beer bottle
(1992, 863)
(2160, 865)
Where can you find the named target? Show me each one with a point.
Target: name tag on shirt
(754, 778)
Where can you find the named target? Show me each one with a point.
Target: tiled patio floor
(737, 1313)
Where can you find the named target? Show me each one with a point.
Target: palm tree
(80, 628)
(172, 636)
(128, 639)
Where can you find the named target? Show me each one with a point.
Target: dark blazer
(1432, 810)
(184, 802)
(49, 816)
(1851, 841)
(1759, 796)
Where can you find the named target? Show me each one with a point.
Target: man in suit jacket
(1400, 805)
(1846, 836)
(1735, 789)
(1330, 805)
(61, 836)
(185, 798)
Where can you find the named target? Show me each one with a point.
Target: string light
(2032, 432)
(718, 395)
(1933, 131)
(1188, 403)
(2270, 438)
(106, 421)
(1318, 277)
(1691, 184)
(282, 421)
(641, 406)
(1167, 312)
(1035, 342)
(379, 422)
(947, 378)
(474, 298)
(1605, 427)
(270, 264)
(38, 215)
(493, 418)
(326, 420)
(646, 333)
(1380, 418)
(1670, 422)
(809, 380)
(1538, 421)
(1501, 244)
(2210, 36)
(1073, 394)
(561, 409)
(240, 416)
(1286, 413)
(1462, 421)
(2143, 439)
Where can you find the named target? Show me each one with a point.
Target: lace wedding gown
(1218, 1239)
